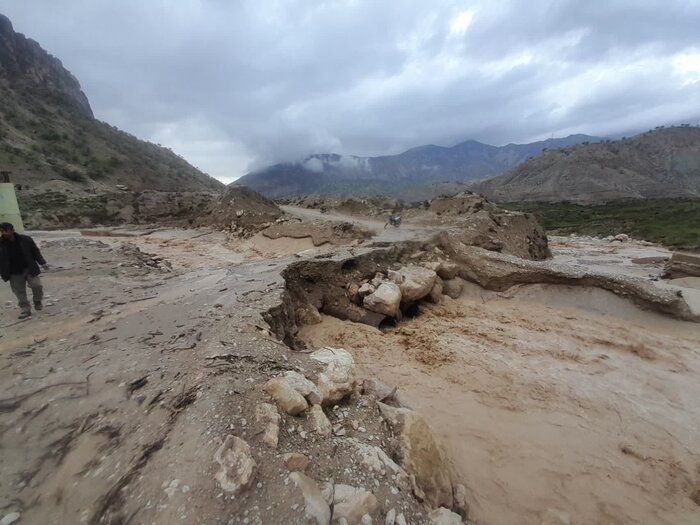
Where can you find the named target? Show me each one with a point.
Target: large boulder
(443, 516)
(237, 466)
(337, 380)
(302, 385)
(421, 455)
(385, 300)
(415, 282)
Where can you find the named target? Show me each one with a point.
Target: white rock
(9, 519)
(421, 455)
(461, 503)
(443, 516)
(319, 422)
(352, 503)
(288, 399)
(366, 289)
(366, 520)
(401, 519)
(238, 467)
(385, 300)
(315, 506)
(390, 517)
(267, 415)
(302, 385)
(338, 378)
(415, 282)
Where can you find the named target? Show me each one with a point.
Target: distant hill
(661, 163)
(47, 131)
(418, 173)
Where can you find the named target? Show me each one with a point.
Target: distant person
(20, 259)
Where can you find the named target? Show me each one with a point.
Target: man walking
(19, 263)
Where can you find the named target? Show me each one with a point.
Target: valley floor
(115, 397)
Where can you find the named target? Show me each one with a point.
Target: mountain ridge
(48, 132)
(414, 170)
(659, 163)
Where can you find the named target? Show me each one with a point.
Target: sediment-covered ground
(554, 399)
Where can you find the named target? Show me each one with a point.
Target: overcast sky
(233, 85)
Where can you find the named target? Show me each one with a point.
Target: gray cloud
(234, 85)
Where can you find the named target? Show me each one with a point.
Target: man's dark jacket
(30, 252)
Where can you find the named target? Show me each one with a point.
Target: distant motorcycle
(394, 220)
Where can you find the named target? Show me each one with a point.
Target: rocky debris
(337, 380)
(555, 517)
(385, 300)
(266, 415)
(316, 508)
(238, 467)
(319, 232)
(240, 210)
(302, 385)
(295, 461)
(620, 237)
(452, 288)
(421, 455)
(142, 258)
(682, 265)
(286, 397)
(415, 282)
(380, 390)
(351, 504)
(443, 516)
(319, 421)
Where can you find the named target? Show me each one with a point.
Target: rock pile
(400, 458)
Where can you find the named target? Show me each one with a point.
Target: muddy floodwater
(552, 396)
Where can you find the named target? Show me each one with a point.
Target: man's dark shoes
(38, 306)
(25, 314)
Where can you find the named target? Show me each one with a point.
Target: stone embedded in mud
(10, 518)
(316, 508)
(400, 519)
(421, 456)
(238, 467)
(443, 516)
(436, 292)
(378, 389)
(555, 517)
(447, 270)
(452, 288)
(308, 315)
(337, 380)
(319, 422)
(415, 282)
(352, 503)
(302, 385)
(461, 505)
(295, 461)
(288, 399)
(366, 520)
(385, 300)
(267, 415)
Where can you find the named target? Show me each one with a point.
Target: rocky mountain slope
(47, 131)
(416, 174)
(661, 163)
